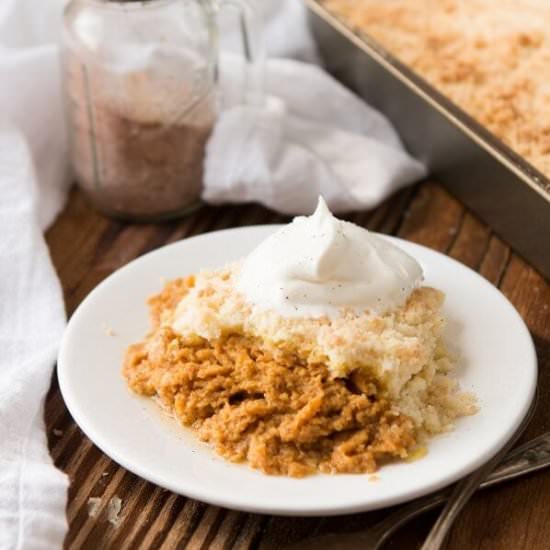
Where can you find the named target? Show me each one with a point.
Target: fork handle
(529, 457)
(460, 495)
(464, 489)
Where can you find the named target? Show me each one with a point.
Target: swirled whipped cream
(321, 266)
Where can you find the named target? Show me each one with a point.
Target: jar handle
(253, 48)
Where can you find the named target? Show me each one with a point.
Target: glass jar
(139, 81)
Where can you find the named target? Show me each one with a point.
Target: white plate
(498, 364)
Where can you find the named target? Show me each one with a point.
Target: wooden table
(87, 247)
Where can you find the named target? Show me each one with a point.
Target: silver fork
(530, 457)
(465, 488)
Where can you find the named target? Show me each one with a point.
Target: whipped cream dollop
(321, 266)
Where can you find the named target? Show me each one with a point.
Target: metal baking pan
(507, 192)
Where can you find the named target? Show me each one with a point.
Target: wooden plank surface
(86, 248)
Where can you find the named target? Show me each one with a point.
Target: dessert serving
(491, 58)
(319, 352)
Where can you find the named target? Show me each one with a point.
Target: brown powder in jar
(132, 155)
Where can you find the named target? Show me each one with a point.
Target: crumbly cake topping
(393, 346)
(490, 57)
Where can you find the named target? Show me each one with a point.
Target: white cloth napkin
(32, 317)
(312, 136)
